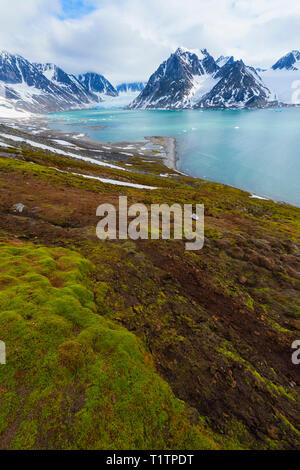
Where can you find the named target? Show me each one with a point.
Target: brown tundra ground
(136, 345)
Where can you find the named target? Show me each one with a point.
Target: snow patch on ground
(119, 183)
(8, 111)
(2, 144)
(202, 84)
(65, 143)
(254, 196)
(61, 152)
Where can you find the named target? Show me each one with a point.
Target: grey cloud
(128, 39)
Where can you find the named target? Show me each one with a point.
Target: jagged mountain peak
(6, 54)
(200, 53)
(175, 81)
(131, 87)
(46, 66)
(97, 83)
(52, 71)
(288, 62)
(238, 86)
(223, 60)
(186, 81)
(68, 82)
(38, 87)
(15, 69)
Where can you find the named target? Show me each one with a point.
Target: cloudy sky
(127, 39)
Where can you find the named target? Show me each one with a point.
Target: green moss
(289, 425)
(25, 436)
(67, 364)
(79, 334)
(249, 302)
(274, 389)
(212, 233)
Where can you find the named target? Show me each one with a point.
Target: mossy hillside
(242, 288)
(73, 378)
(183, 332)
(222, 203)
(68, 164)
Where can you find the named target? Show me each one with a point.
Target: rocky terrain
(187, 79)
(193, 79)
(131, 87)
(41, 88)
(133, 345)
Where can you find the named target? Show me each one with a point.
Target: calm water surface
(257, 150)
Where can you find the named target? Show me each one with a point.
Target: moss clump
(74, 379)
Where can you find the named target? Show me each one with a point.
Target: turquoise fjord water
(255, 150)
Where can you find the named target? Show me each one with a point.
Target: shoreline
(169, 157)
(152, 148)
(169, 145)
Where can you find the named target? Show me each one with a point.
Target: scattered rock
(273, 432)
(242, 280)
(18, 207)
(236, 253)
(296, 324)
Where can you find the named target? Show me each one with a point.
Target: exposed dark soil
(219, 323)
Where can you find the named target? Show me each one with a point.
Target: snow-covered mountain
(74, 90)
(47, 88)
(283, 78)
(176, 80)
(192, 79)
(26, 86)
(8, 110)
(131, 87)
(290, 61)
(221, 61)
(238, 86)
(187, 79)
(97, 84)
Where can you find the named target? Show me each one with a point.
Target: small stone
(19, 207)
(273, 432)
(296, 324)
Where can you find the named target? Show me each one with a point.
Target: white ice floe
(119, 183)
(61, 152)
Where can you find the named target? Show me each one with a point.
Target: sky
(126, 40)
